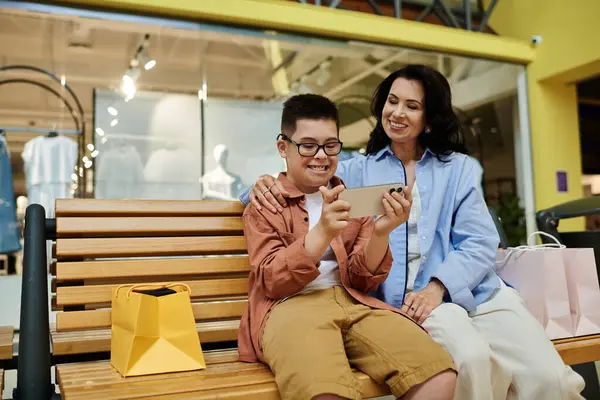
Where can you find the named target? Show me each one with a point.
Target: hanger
(52, 133)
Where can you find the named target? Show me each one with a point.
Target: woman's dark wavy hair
(446, 132)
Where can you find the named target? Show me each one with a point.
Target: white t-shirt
(49, 164)
(329, 268)
(414, 251)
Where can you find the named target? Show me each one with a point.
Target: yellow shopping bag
(153, 330)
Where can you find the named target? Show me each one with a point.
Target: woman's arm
(474, 241)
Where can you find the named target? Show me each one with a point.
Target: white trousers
(502, 352)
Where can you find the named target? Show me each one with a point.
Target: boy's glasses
(311, 149)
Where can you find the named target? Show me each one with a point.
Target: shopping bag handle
(556, 244)
(150, 286)
(532, 247)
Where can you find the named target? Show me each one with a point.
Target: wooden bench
(6, 350)
(103, 243)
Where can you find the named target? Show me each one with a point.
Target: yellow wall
(569, 52)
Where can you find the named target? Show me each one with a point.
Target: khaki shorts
(312, 342)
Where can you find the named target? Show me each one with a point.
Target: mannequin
(219, 184)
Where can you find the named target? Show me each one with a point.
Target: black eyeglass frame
(319, 146)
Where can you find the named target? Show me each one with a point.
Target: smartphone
(366, 201)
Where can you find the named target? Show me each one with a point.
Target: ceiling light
(90, 147)
(63, 80)
(114, 122)
(103, 140)
(128, 88)
(100, 131)
(112, 111)
(202, 95)
(95, 153)
(149, 65)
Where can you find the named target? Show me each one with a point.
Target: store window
(182, 110)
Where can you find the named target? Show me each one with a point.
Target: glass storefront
(184, 110)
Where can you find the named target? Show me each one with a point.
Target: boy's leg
(392, 349)
(303, 346)
(520, 345)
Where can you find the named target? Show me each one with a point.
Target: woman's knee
(474, 357)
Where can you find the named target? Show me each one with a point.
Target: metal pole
(468, 21)
(449, 14)
(375, 7)
(334, 3)
(398, 9)
(426, 11)
(486, 15)
(33, 379)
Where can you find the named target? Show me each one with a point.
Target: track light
(149, 65)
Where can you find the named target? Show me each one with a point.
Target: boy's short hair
(307, 106)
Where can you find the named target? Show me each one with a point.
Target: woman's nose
(398, 111)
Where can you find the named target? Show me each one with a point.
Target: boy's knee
(445, 382)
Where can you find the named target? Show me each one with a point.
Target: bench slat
(95, 319)
(98, 380)
(98, 340)
(263, 391)
(173, 385)
(147, 247)
(148, 226)
(6, 342)
(96, 294)
(579, 350)
(146, 208)
(75, 271)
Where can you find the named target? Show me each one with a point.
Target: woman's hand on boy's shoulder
(268, 192)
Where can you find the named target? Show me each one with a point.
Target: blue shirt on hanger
(9, 229)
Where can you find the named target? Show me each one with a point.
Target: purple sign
(561, 182)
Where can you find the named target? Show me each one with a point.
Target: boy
(309, 314)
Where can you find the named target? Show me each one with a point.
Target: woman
(443, 273)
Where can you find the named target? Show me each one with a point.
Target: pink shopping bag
(538, 274)
(584, 291)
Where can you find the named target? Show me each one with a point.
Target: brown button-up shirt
(280, 266)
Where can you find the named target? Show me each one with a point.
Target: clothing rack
(40, 130)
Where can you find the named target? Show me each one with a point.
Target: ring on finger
(269, 189)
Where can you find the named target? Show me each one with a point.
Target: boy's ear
(282, 148)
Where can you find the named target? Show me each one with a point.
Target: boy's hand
(397, 210)
(335, 214)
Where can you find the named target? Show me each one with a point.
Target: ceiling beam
(331, 93)
(485, 88)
